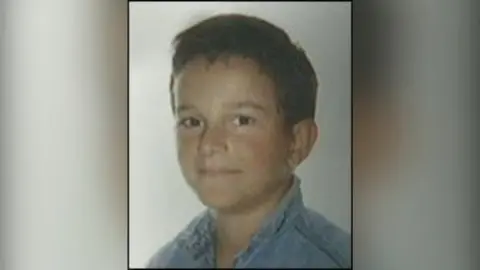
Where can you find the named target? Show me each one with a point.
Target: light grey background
(161, 203)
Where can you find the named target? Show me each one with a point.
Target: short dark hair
(256, 39)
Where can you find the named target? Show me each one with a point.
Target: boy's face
(231, 141)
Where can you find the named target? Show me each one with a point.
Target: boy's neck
(235, 230)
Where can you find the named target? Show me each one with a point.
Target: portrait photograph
(239, 135)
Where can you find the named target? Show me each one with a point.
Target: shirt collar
(200, 241)
(286, 211)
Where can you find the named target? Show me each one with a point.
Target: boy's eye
(189, 122)
(242, 120)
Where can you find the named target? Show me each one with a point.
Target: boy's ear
(304, 136)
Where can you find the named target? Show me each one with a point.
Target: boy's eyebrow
(247, 104)
(184, 107)
(235, 105)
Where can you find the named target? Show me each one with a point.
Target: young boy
(244, 97)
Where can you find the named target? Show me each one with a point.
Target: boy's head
(244, 97)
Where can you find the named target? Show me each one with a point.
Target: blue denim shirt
(293, 237)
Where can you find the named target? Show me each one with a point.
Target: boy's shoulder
(325, 236)
(175, 251)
